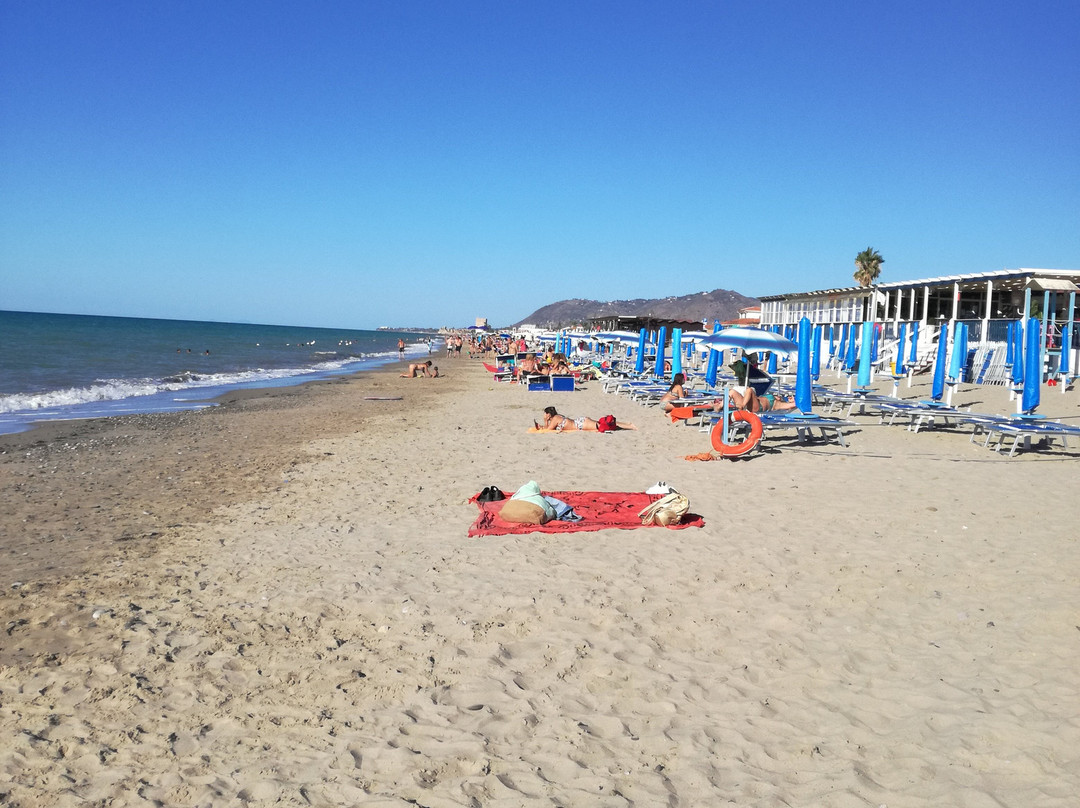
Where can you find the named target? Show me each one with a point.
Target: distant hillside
(719, 304)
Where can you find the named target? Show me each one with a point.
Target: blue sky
(358, 164)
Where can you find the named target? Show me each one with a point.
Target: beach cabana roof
(1002, 279)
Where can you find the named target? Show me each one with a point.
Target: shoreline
(113, 469)
(299, 617)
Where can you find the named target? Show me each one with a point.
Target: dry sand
(274, 602)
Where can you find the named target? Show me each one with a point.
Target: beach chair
(918, 414)
(835, 401)
(1022, 431)
(804, 424)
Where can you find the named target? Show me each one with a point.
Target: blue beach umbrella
(639, 360)
(661, 338)
(1010, 348)
(803, 398)
(712, 368)
(1032, 367)
(900, 339)
(959, 351)
(841, 349)
(913, 357)
(937, 389)
(815, 354)
(1066, 341)
(772, 364)
(1018, 354)
(876, 339)
(963, 343)
(851, 358)
(866, 353)
(676, 351)
(832, 343)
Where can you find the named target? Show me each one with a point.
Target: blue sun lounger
(1022, 431)
(921, 413)
(802, 424)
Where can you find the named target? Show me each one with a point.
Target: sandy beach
(274, 602)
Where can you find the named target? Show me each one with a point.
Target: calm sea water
(63, 366)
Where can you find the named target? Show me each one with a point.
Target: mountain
(719, 304)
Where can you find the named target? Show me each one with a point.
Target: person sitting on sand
(419, 369)
(562, 423)
(674, 393)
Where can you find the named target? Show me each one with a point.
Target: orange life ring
(737, 449)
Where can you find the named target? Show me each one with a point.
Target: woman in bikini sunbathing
(674, 393)
(746, 398)
(562, 423)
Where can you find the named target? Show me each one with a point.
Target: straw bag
(668, 510)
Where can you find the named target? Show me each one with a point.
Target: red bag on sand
(606, 424)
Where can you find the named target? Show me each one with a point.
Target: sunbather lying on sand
(553, 422)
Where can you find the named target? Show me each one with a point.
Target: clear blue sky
(358, 164)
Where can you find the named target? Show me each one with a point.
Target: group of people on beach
(740, 397)
(552, 364)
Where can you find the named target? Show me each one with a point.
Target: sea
(68, 366)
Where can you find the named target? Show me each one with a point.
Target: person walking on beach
(401, 348)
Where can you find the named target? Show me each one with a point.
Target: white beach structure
(984, 301)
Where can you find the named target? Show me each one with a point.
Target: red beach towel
(599, 510)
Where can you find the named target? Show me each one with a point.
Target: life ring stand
(737, 449)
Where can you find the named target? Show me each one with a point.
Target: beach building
(620, 322)
(985, 302)
(747, 316)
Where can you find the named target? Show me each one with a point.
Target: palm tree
(868, 266)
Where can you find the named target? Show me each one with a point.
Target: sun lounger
(920, 414)
(1022, 431)
(802, 424)
(836, 401)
